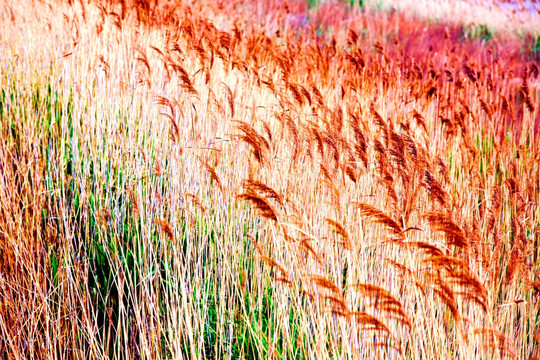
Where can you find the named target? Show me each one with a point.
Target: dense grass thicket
(265, 179)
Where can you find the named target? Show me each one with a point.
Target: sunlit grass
(265, 180)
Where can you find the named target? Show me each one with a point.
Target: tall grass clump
(264, 180)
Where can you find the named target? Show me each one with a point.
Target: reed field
(189, 179)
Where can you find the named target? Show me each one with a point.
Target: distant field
(516, 17)
(269, 179)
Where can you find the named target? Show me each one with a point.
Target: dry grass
(237, 180)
